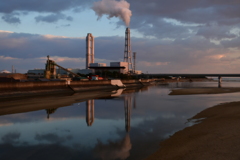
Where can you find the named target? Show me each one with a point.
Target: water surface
(128, 125)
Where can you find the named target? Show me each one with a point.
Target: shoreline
(21, 89)
(215, 137)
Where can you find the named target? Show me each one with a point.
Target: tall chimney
(89, 50)
(127, 50)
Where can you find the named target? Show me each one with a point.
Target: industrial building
(127, 67)
(12, 77)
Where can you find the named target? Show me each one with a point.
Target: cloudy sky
(169, 36)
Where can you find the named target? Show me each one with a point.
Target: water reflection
(114, 150)
(90, 112)
(124, 124)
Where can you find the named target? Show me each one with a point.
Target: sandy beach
(215, 137)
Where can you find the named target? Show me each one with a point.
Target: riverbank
(215, 137)
(18, 89)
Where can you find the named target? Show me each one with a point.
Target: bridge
(194, 75)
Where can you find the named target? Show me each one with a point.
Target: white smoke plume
(113, 8)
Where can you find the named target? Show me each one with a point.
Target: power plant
(124, 67)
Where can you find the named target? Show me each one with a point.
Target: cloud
(65, 25)
(28, 51)
(216, 32)
(42, 6)
(11, 18)
(53, 18)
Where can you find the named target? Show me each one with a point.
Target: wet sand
(190, 91)
(217, 136)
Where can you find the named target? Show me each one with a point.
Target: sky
(169, 36)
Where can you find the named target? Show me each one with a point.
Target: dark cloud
(21, 45)
(216, 32)
(42, 6)
(53, 18)
(231, 43)
(11, 18)
(168, 55)
(148, 17)
(10, 137)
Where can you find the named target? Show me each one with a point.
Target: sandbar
(189, 91)
(217, 136)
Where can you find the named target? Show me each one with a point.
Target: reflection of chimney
(127, 108)
(127, 50)
(50, 111)
(89, 50)
(90, 112)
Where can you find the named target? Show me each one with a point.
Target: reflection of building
(90, 112)
(127, 108)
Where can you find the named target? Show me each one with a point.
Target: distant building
(98, 64)
(138, 72)
(39, 73)
(120, 64)
(12, 77)
(35, 73)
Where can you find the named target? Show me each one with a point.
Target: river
(127, 124)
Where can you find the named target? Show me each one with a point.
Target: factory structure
(125, 67)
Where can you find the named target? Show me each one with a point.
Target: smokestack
(89, 50)
(127, 50)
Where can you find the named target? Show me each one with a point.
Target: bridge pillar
(219, 80)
